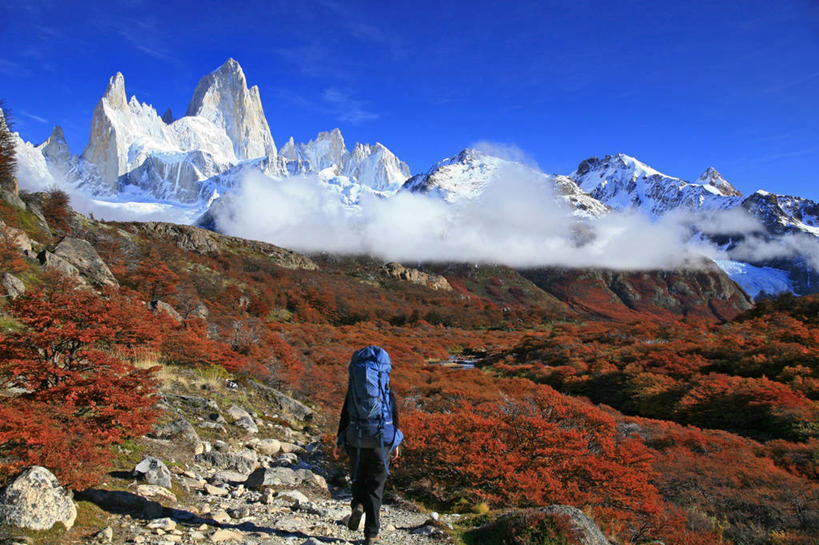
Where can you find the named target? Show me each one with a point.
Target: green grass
(9, 324)
(128, 454)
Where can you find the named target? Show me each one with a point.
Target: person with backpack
(368, 432)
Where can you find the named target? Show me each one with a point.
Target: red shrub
(75, 398)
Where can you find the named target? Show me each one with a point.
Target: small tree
(74, 397)
(56, 210)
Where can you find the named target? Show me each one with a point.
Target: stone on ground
(153, 471)
(35, 500)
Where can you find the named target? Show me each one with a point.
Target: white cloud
(505, 150)
(517, 221)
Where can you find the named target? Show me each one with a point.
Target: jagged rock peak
(167, 117)
(620, 161)
(115, 92)
(713, 178)
(55, 147)
(223, 98)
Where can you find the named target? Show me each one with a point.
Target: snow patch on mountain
(757, 280)
(621, 181)
(469, 174)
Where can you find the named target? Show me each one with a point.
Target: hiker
(368, 432)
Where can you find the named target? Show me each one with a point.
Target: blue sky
(679, 85)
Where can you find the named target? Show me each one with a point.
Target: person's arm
(394, 409)
(343, 422)
(397, 451)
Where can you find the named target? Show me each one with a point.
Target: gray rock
(153, 471)
(236, 413)
(85, 258)
(230, 477)
(179, 429)
(268, 447)
(162, 306)
(166, 524)
(244, 461)
(286, 403)
(53, 263)
(14, 286)
(17, 237)
(12, 198)
(118, 501)
(35, 500)
(106, 534)
(274, 476)
(195, 402)
(584, 528)
(292, 497)
(248, 424)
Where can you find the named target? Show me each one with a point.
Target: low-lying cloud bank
(517, 221)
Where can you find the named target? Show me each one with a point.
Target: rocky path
(261, 483)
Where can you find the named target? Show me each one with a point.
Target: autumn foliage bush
(70, 397)
(757, 376)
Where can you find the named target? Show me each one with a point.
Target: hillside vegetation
(648, 400)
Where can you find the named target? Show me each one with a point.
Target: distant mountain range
(137, 158)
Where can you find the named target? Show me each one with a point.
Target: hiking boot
(355, 517)
(370, 540)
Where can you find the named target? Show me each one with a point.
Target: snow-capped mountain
(468, 174)
(624, 182)
(134, 152)
(783, 242)
(139, 161)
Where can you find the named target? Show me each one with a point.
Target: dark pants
(368, 487)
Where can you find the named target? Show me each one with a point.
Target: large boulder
(53, 263)
(243, 461)
(554, 523)
(85, 258)
(14, 286)
(284, 477)
(180, 430)
(17, 237)
(284, 402)
(153, 471)
(12, 198)
(35, 500)
(162, 306)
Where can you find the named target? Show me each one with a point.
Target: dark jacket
(344, 421)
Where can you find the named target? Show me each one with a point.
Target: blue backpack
(368, 403)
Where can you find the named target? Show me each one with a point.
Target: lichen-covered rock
(162, 306)
(17, 238)
(153, 471)
(53, 263)
(35, 500)
(554, 523)
(84, 257)
(14, 286)
(180, 429)
(243, 461)
(414, 276)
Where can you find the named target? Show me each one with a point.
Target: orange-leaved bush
(70, 398)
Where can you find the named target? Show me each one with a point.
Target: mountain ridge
(136, 160)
